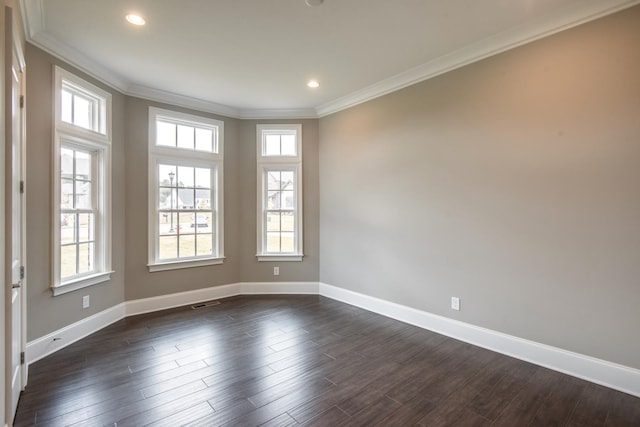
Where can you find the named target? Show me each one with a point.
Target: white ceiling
(252, 58)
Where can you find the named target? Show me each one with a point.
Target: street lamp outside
(171, 176)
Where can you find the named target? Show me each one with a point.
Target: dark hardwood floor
(289, 360)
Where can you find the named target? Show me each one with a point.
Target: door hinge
(21, 187)
(21, 101)
(22, 272)
(22, 358)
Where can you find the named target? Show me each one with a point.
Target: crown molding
(32, 17)
(585, 11)
(501, 42)
(158, 95)
(76, 59)
(293, 113)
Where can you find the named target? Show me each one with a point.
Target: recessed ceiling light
(313, 84)
(135, 19)
(313, 2)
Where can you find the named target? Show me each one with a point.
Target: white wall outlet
(455, 303)
(86, 302)
(276, 271)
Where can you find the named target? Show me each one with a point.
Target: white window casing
(186, 203)
(279, 192)
(81, 184)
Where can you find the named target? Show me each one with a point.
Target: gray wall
(141, 283)
(511, 183)
(308, 269)
(46, 313)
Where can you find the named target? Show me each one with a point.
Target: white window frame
(265, 164)
(98, 142)
(184, 157)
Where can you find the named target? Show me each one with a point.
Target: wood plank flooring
(300, 360)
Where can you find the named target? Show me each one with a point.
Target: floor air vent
(204, 304)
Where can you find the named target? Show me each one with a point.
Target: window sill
(83, 282)
(175, 265)
(280, 258)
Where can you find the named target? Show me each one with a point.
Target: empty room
(320, 213)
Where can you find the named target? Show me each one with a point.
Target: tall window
(185, 190)
(279, 153)
(82, 176)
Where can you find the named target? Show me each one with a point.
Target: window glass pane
(185, 198)
(164, 198)
(200, 222)
(273, 200)
(168, 223)
(66, 162)
(82, 112)
(204, 243)
(85, 227)
(165, 134)
(286, 242)
(287, 221)
(168, 247)
(66, 108)
(67, 228)
(83, 195)
(203, 178)
(185, 137)
(68, 260)
(185, 219)
(286, 182)
(203, 199)
(83, 165)
(167, 175)
(273, 182)
(273, 242)
(288, 145)
(273, 221)
(288, 201)
(66, 194)
(271, 145)
(85, 258)
(187, 246)
(185, 176)
(204, 140)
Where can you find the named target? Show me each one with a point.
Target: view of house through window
(280, 211)
(77, 212)
(186, 217)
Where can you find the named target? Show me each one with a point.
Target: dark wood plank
(592, 408)
(289, 360)
(332, 417)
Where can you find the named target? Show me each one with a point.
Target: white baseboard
(163, 302)
(275, 288)
(56, 340)
(598, 371)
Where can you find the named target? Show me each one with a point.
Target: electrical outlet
(455, 303)
(276, 271)
(86, 302)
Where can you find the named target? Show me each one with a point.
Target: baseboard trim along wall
(57, 340)
(598, 371)
(588, 368)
